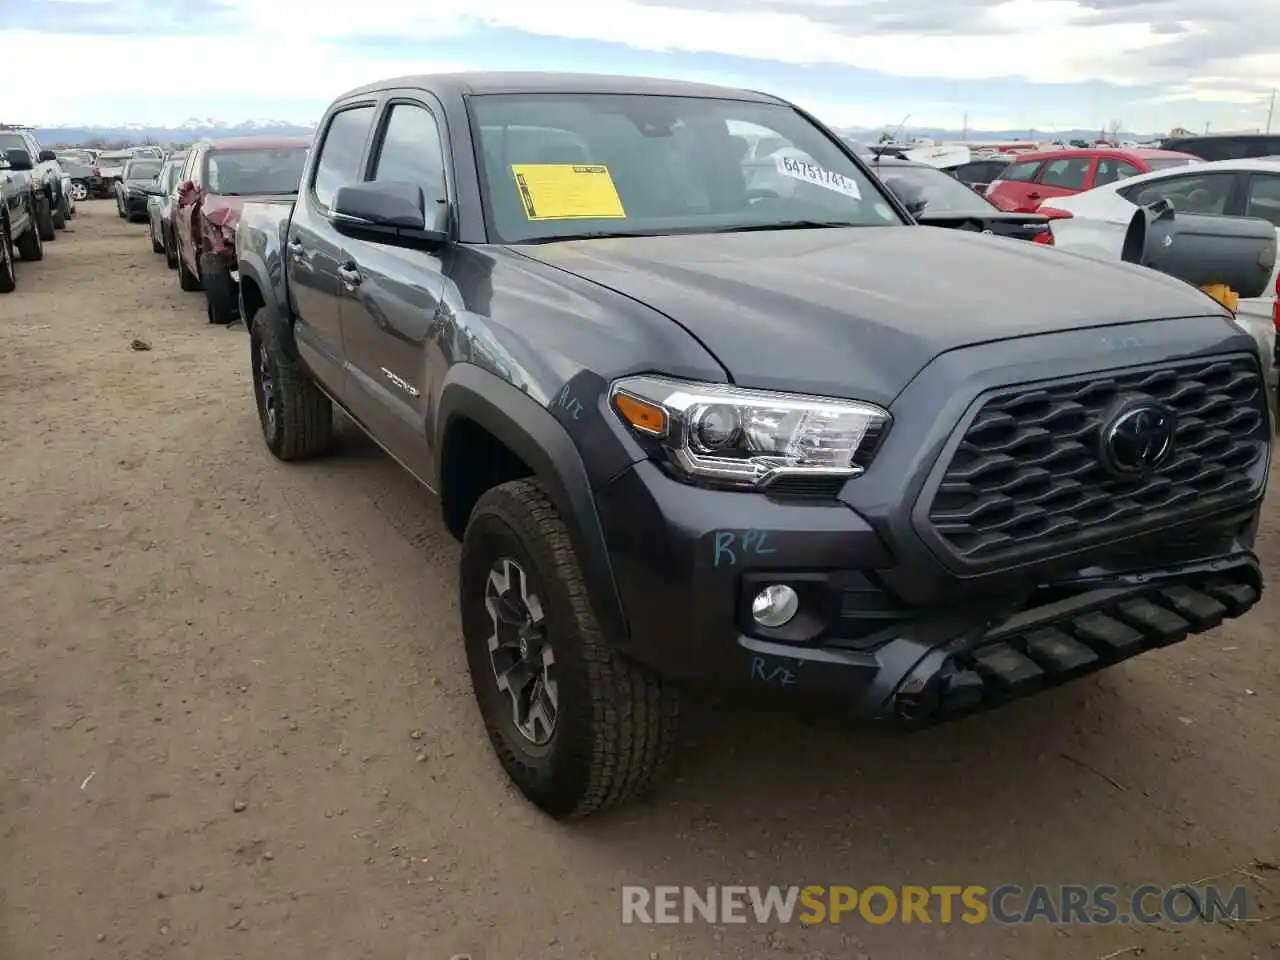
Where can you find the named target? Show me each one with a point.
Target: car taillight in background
(1275, 312)
(1053, 213)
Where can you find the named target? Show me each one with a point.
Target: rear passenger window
(339, 162)
(1021, 171)
(1111, 171)
(1264, 198)
(411, 152)
(1068, 174)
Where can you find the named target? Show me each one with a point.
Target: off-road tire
(120, 212)
(219, 290)
(187, 280)
(44, 220)
(30, 246)
(156, 245)
(170, 248)
(303, 425)
(8, 275)
(616, 727)
(58, 213)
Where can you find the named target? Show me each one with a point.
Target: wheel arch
(474, 399)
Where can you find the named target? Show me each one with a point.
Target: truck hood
(823, 311)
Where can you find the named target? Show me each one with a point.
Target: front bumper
(688, 562)
(135, 205)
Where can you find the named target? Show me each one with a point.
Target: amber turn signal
(641, 414)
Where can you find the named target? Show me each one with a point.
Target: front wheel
(577, 727)
(295, 415)
(156, 245)
(120, 211)
(58, 210)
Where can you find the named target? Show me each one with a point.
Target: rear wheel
(170, 251)
(187, 280)
(59, 213)
(44, 220)
(296, 416)
(31, 247)
(8, 276)
(219, 289)
(79, 190)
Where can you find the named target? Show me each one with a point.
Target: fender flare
(530, 431)
(253, 269)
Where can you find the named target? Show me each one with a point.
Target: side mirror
(908, 194)
(19, 160)
(1203, 249)
(389, 209)
(153, 190)
(47, 155)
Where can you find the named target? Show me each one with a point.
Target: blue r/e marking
(766, 674)
(747, 541)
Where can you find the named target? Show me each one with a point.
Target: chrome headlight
(740, 437)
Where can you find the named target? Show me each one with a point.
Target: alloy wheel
(266, 389)
(520, 651)
(79, 191)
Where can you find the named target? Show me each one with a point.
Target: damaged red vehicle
(219, 176)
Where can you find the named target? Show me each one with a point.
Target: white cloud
(293, 50)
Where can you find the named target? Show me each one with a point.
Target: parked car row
(35, 202)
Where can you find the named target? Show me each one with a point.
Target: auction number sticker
(567, 191)
(812, 173)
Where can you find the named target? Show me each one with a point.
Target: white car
(1098, 218)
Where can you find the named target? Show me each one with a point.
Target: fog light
(775, 605)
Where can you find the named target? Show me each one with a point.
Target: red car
(1036, 177)
(218, 177)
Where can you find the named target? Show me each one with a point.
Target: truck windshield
(560, 166)
(941, 192)
(260, 172)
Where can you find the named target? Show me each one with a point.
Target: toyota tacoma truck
(693, 432)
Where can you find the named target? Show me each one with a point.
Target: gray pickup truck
(691, 430)
(19, 236)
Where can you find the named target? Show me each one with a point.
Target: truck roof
(481, 82)
(258, 143)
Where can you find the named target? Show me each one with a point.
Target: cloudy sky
(1013, 64)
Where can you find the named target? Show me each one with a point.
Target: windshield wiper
(594, 235)
(787, 225)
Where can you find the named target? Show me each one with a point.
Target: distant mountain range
(196, 128)
(134, 134)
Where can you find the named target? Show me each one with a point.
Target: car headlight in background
(740, 437)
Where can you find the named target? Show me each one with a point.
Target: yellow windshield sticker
(567, 191)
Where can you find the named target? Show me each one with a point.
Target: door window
(1112, 171)
(1069, 174)
(339, 162)
(1021, 172)
(410, 151)
(1206, 193)
(1264, 198)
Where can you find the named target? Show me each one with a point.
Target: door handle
(296, 250)
(349, 275)
(1033, 195)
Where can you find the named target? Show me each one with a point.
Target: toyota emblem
(1138, 439)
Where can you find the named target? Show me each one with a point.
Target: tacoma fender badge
(401, 383)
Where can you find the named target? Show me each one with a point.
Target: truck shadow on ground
(1062, 786)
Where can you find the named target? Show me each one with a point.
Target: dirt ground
(237, 722)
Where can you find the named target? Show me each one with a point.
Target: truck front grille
(1027, 480)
